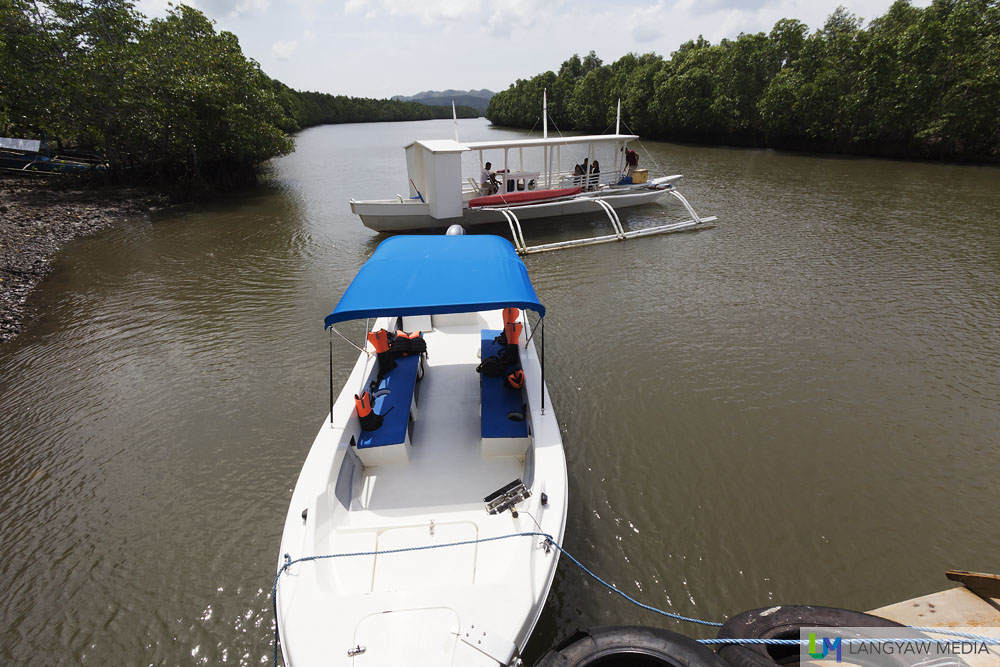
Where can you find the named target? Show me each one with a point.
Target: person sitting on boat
(577, 173)
(488, 181)
(595, 174)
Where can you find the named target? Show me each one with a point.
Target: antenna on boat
(618, 118)
(454, 117)
(545, 113)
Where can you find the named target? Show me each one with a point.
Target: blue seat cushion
(497, 399)
(400, 382)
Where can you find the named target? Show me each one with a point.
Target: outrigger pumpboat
(425, 494)
(539, 187)
(34, 156)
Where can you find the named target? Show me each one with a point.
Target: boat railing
(589, 182)
(560, 179)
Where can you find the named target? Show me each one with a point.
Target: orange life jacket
(363, 403)
(515, 380)
(380, 339)
(512, 332)
(510, 315)
(370, 421)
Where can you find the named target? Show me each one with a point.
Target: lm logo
(826, 647)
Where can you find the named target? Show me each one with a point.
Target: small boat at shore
(412, 536)
(32, 155)
(533, 183)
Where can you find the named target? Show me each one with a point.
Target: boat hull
(42, 163)
(409, 608)
(394, 216)
(514, 198)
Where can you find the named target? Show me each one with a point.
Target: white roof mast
(454, 117)
(545, 114)
(618, 119)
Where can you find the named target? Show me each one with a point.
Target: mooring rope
(548, 539)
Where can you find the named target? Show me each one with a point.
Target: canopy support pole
(541, 322)
(331, 377)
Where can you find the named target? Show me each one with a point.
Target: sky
(381, 48)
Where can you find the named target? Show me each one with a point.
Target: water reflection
(789, 407)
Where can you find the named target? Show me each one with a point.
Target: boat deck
(447, 446)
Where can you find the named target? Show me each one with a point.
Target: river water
(799, 405)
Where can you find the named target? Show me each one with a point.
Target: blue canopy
(430, 275)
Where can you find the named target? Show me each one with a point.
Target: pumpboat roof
(431, 275)
(551, 141)
(449, 146)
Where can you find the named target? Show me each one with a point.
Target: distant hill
(477, 99)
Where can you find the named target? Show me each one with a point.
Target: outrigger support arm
(620, 234)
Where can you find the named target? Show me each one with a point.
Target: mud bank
(38, 216)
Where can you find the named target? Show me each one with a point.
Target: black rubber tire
(629, 646)
(784, 622)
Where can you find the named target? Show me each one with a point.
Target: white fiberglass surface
(446, 467)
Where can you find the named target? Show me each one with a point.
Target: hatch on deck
(418, 637)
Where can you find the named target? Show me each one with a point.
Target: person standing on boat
(631, 161)
(595, 174)
(488, 181)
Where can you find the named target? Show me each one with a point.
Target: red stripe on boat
(521, 197)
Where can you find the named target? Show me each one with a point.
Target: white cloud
(708, 6)
(309, 10)
(426, 12)
(233, 8)
(477, 43)
(646, 23)
(355, 6)
(251, 8)
(283, 49)
(513, 16)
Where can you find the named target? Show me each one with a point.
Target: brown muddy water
(797, 406)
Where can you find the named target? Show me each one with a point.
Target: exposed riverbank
(38, 216)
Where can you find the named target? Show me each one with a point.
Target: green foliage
(324, 109)
(167, 98)
(916, 82)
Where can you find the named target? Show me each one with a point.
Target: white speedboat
(428, 528)
(533, 180)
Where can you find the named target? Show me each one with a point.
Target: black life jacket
(493, 367)
(405, 344)
(512, 332)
